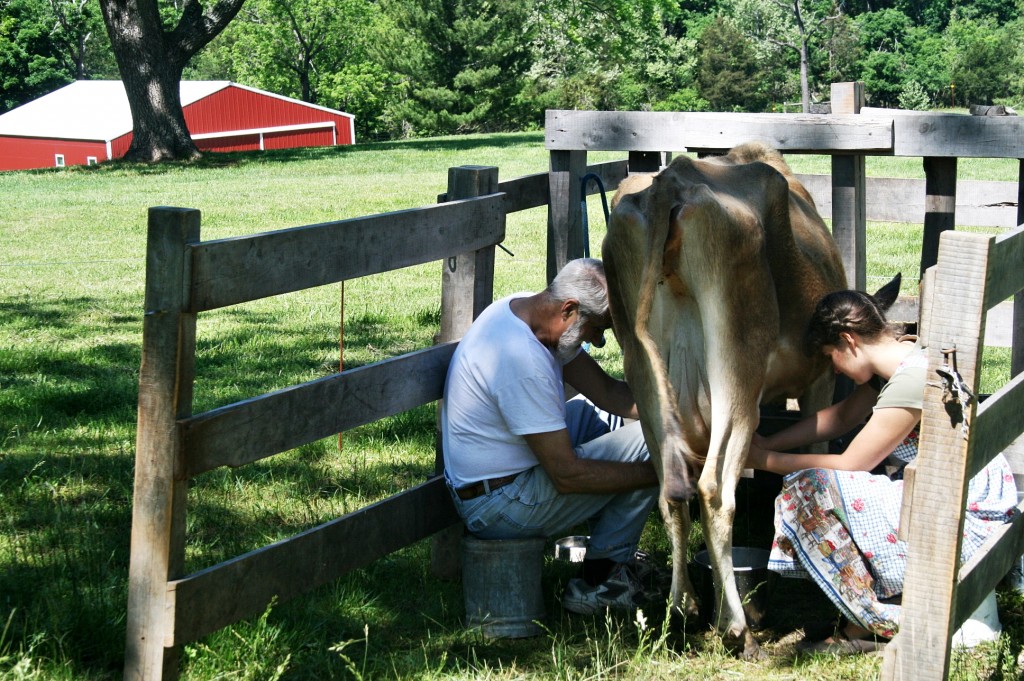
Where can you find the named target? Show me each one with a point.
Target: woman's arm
(827, 424)
(883, 432)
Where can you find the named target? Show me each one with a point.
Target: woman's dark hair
(844, 311)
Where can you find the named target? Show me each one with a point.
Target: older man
(523, 462)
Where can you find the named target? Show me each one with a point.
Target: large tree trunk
(150, 60)
(151, 72)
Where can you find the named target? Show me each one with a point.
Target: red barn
(89, 121)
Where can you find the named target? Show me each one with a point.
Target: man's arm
(610, 394)
(573, 475)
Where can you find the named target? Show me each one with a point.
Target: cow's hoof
(745, 646)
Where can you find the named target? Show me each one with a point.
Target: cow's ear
(887, 295)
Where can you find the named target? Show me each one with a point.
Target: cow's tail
(675, 455)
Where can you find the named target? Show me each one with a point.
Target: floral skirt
(839, 529)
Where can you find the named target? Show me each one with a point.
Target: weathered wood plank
(1017, 352)
(565, 218)
(987, 567)
(465, 292)
(997, 424)
(532, 191)
(224, 272)
(940, 206)
(891, 199)
(940, 483)
(243, 586)
(165, 394)
(1005, 276)
(250, 430)
(675, 132)
(849, 216)
(957, 135)
(461, 302)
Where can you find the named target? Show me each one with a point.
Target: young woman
(837, 515)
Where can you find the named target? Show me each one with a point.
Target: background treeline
(432, 67)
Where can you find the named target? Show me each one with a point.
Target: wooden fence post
(1017, 352)
(939, 206)
(849, 197)
(467, 287)
(165, 395)
(565, 219)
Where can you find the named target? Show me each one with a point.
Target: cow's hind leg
(718, 509)
(677, 522)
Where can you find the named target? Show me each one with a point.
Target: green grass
(72, 246)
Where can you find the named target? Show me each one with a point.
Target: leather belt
(475, 489)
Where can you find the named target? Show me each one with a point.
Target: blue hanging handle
(583, 205)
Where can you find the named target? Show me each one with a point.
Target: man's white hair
(583, 280)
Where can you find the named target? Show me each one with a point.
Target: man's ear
(569, 307)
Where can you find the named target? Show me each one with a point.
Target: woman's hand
(757, 454)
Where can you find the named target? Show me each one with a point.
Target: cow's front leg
(718, 507)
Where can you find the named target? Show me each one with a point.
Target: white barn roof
(89, 110)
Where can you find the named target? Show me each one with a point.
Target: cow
(714, 267)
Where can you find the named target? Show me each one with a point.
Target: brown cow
(714, 267)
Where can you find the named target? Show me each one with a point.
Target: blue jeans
(530, 506)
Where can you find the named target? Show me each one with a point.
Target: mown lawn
(72, 247)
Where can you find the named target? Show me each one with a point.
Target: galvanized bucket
(501, 586)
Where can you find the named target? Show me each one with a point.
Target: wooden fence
(974, 273)
(186, 276)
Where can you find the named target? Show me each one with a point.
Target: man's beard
(570, 341)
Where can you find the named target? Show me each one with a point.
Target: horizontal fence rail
(243, 586)
(250, 430)
(304, 257)
(665, 131)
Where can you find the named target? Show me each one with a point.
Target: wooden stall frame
(185, 277)
(974, 272)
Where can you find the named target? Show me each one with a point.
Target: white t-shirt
(502, 383)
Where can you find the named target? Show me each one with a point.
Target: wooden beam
(244, 586)
(165, 394)
(251, 430)
(849, 216)
(957, 135)
(668, 131)
(987, 567)
(1017, 351)
(940, 482)
(997, 424)
(940, 206)
(461, 302)
(224, 271)
(467, 287)
(565, 218)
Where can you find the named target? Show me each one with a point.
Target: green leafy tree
(80, 38)
(288, 46)
(30, 66)
(980, 52)
(883, 39)
(611, 54)
(727, 69)
(462, 63)
(793, 26)
(928, 63)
